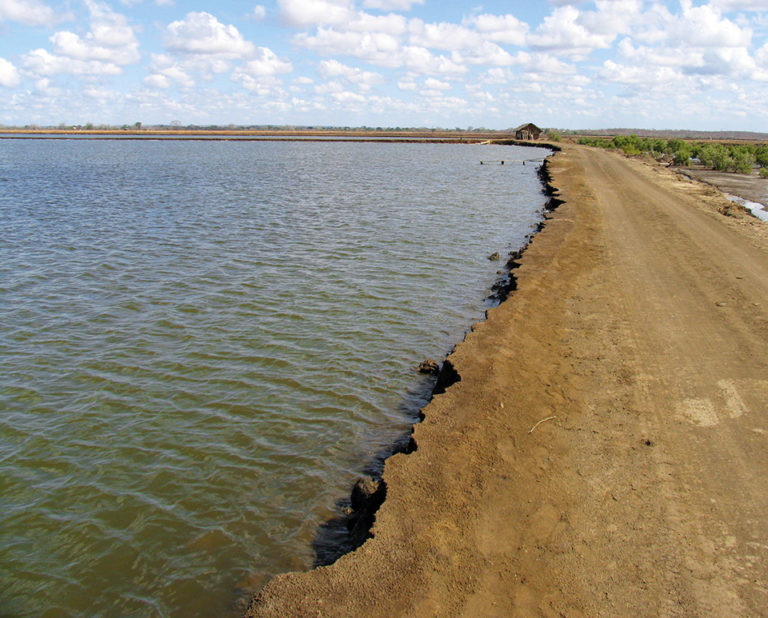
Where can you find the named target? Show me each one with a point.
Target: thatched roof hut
(528, 131)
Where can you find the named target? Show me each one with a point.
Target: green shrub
(597, 142)
(764, 172)
(554, 135)
(709, 154)
(655, 146)
(731, 158)
(631, 149)
(761, 155)
(682, 156)
(742, 161)
(632, 142)
(675, 145)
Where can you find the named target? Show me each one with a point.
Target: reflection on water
(202, 344)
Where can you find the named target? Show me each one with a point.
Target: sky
(653, 64)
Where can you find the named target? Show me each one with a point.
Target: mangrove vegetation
(725, 157)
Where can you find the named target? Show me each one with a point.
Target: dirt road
(605, 452)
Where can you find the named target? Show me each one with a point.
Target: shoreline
(595, 453)
(368, 493)
(350, 529)
(748, 187)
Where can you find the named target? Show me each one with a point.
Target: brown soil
(639, 330)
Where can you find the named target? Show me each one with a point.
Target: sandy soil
(640, 330)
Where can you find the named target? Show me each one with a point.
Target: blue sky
(569, 64)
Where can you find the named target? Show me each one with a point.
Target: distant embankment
(306, 135)
(282, 133)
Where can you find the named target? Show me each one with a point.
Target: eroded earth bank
(639, 330)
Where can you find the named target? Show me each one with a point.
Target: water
(202, 344)
(756, 208)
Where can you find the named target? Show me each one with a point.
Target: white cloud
(704, 26)
(740, 5)
(504, 29)
(264, 62)
(365, 80)
(446, 105)
(334, 68)
(201, 34)
(653, 56)
(391, 5)
(761, 56)
(44, 88)
(420, 60)
(166, 71)
(379, 41)
(484, 53)
(200, 42)
(259, 12)
(41, 62)
(329, 87)
(157, 80)
(543, 63)
(260, 73)
(109, 29)
(101, 94)
(694, 26)
(698, 42)
(9, 74)
(497, 76)
(179, 76)
(562, 32)
(612, 17)
(262, 86)
(442, 35)
(733, 62)
(110, 44)
(302, 13)
(641, 76)
(29, 12)
(436, 84)
(374, 47)
(395, 25)
(347, 97)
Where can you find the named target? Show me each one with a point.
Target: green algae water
(202, 344)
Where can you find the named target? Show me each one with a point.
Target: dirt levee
(606, 449)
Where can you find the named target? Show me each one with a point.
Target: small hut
(528, 131)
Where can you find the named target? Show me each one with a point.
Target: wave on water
(204, 344)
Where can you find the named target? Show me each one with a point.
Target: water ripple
(203, 344)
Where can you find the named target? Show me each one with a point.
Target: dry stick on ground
(544, 420)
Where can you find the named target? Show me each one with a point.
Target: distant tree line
(688, 134)
(740, 158)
